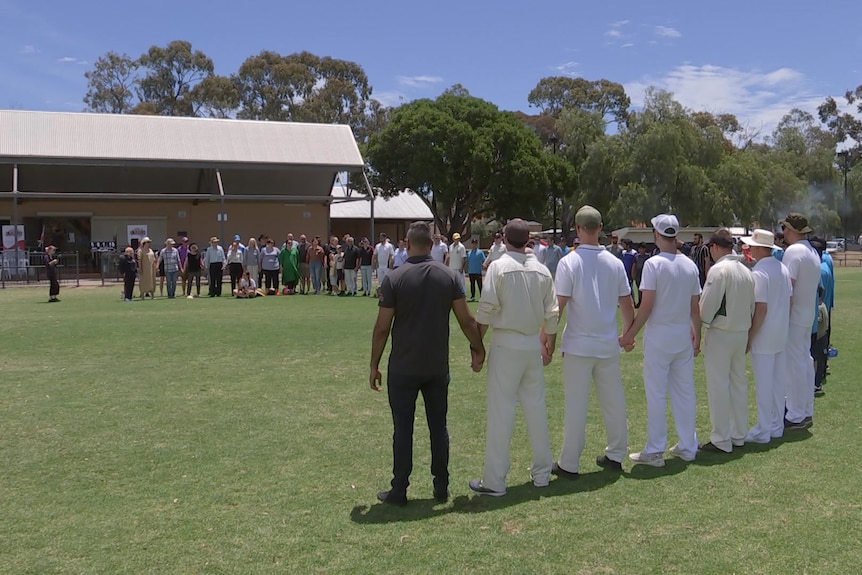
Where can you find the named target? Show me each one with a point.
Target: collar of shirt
(730, 257)
(418, 259)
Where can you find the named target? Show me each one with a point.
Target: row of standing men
(767, 311)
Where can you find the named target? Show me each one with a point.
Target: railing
(27, 267)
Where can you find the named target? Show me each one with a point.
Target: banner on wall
(136, 232)
(9, 236)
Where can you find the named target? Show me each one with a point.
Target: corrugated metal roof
(58, 137)
(404, 206)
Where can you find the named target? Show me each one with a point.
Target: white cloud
(667, 32)
(418, 81)
(627, 45)
(67, 59)
(390, 97)
(614, 31)
(29, 49)
(758, 99)
(567, 69)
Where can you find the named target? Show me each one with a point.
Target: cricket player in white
(592, 282)
(497, 249)
(804, 266)
(670, 310)
(384, 251)
(767, 338)
(726, 308)
(518, 301)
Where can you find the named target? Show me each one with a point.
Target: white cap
(666, 225)
(761, 238)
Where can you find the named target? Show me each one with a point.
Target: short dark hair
(517, 233)
(721, 238)
(419, 235)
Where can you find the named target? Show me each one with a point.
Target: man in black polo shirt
(415, 301)
(351, 265)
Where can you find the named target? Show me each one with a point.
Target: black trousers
(235, 271)
(54, 289)
(129, 286)
(475, 279)
(271, 277)
(818, 352)
(215, 278)
(403, 392)
(193, 277)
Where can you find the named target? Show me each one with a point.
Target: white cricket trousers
(726, 386)
(671, 374)
(800, 374)
(515, 375)
(769, 376)
(381, 273)
(350, 280)
(578, 373)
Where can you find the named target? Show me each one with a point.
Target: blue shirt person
(475, 259)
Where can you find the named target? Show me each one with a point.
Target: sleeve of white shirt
(761, 287)
(563, 282)
(792, 262)
(648, 279)
(489, 304)
(552, 310)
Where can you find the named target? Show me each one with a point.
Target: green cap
(589, 218)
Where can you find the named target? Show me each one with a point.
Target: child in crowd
(339, 270)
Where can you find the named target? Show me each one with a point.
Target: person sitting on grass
(247, 287)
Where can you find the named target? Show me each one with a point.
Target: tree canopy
(463, 156)
(467, 159)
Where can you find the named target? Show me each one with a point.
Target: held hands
(477, 358)
(627, 342)
(375, 380)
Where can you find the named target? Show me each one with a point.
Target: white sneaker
(653, 459)
(677, 451)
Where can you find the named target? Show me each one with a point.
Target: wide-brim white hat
(761, 238)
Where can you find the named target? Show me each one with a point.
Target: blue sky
(757, 59)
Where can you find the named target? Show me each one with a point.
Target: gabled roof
(404, 206)
(31, 137)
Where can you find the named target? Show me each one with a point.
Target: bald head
(517, 233)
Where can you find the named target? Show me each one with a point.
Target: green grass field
(225, 436)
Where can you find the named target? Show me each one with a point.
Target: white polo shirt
(675, 280)
(804, 267)
(384, 251)
(439, 251)
(772, 286)
(594, 280)
(457, 255)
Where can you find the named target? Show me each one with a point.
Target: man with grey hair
(519, 302)
(415, 301)
(726, 309)
(671, 312)
(804, 266)
(593, 283)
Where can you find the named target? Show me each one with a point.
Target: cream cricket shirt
(727, 302)
(518, 299)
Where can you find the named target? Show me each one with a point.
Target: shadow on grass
(672, 466)
(708, 459)
(419, 509)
